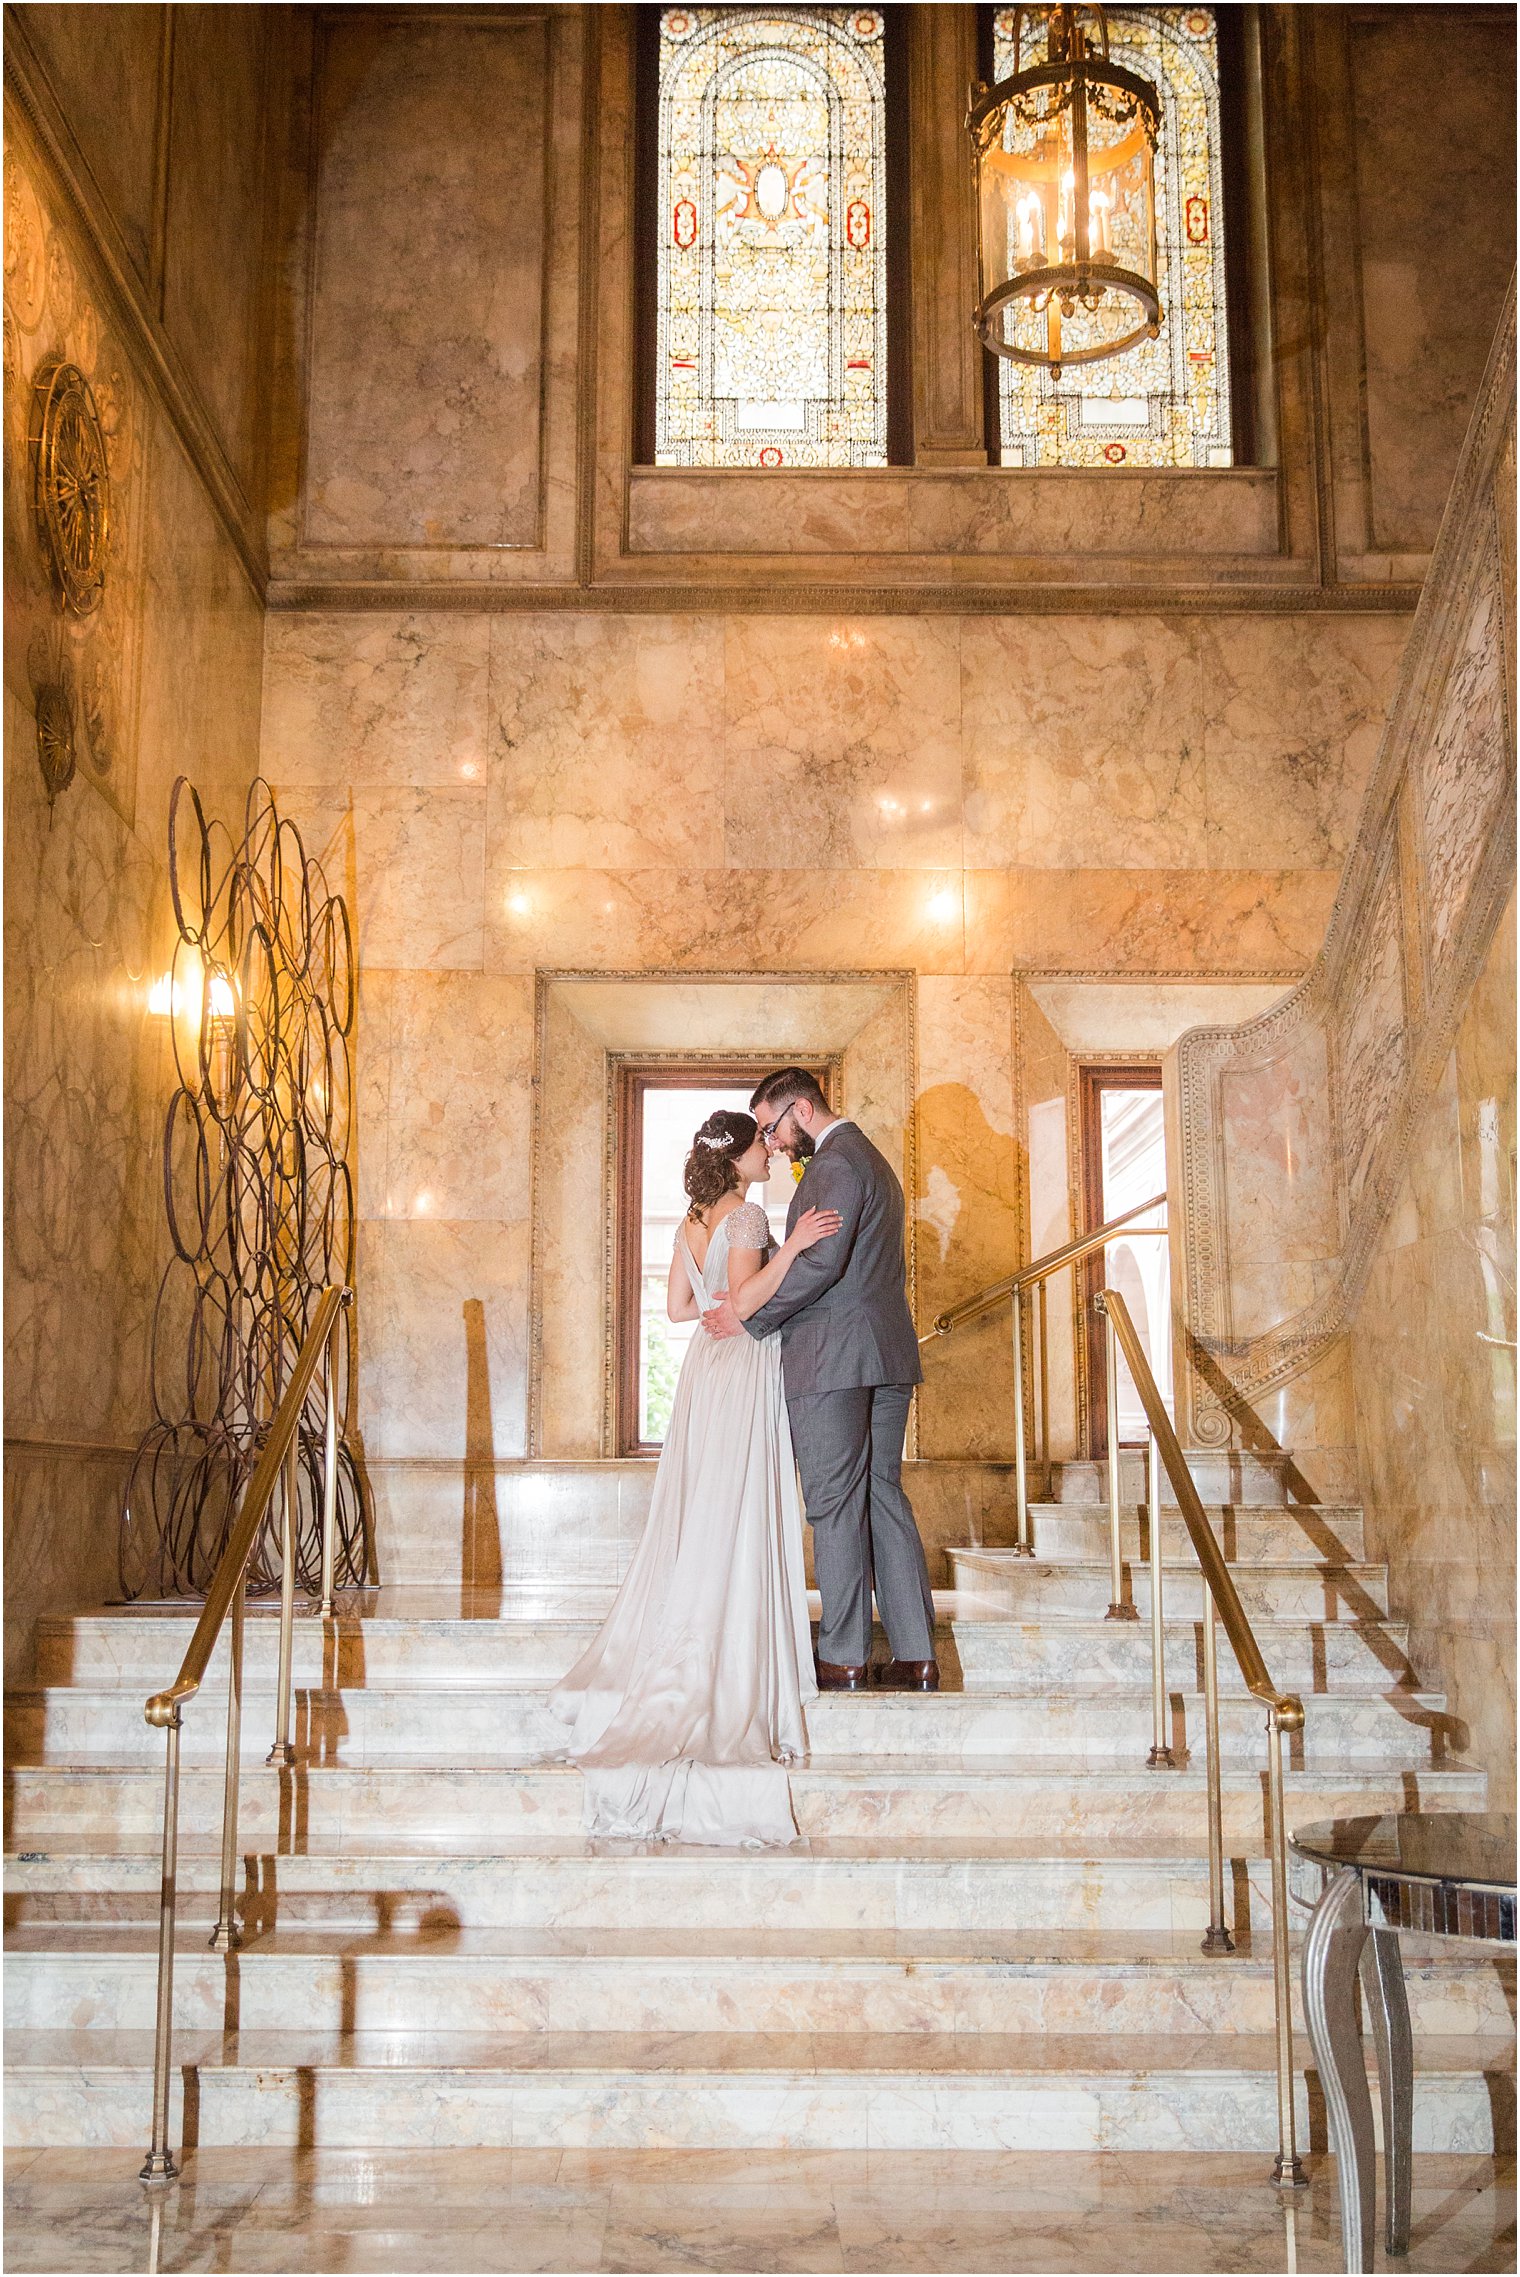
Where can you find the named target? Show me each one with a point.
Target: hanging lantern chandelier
(1066, 199)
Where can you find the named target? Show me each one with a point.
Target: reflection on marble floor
(584, 2210)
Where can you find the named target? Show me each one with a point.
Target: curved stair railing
(278, 1461)
(1285, 1710)
(1013, 1291)
(1221, 1601)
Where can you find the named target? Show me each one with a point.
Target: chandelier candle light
(1064, 153)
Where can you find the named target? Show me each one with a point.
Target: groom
(850, 1360)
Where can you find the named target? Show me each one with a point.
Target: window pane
(771, 340)
(1165, 402)
(1138, 1265)
(670, 1119)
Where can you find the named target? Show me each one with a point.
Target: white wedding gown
(686, 1709)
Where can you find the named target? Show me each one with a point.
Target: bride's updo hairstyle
(710, 1172)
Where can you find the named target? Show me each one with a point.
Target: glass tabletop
(1476, 1848)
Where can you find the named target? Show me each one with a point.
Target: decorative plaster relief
(52, 314)
(1465, 776)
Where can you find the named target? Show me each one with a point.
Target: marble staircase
(987, 1936)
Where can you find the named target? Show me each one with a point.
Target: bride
(687, 1707)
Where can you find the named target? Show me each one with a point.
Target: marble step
(133, 1653)
(823, 2091)
(326, 1808)
(1038, 1588)
(425, 1720)
(801, 1979)
(1310, 1657)
(543, 1880)
(1065, 1533)
(1233, 1477)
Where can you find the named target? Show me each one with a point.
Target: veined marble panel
(1136, 921)
(1083, 741)
(1293, 709)
(446, 1066)
(842, 742)
(973, 512)
(607, 742)
(392, 701)
(442, 1338)
(424, 380)
(807, 920)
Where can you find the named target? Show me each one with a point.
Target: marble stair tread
(964, 1946)
(1108, 1725)
(357, 1810)
(861, 2054)
(565, 1880)
(1071, 1980)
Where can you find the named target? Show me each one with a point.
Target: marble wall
(955, 800)
(164, 677)
(1433, 1360)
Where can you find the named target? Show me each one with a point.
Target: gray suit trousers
(849, 1453)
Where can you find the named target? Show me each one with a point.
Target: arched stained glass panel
(772, 332)
(1167, 401)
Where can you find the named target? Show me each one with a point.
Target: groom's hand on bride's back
(721, 1319)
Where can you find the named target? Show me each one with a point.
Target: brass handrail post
(1043, 1329)
(329, 1476)
(159, 2165)
(1288, 2170)
(282, 1751)
(1161, 1757)
(1117, 1609)
(1218, 1938)
(226, 1936)
(1023, 1544)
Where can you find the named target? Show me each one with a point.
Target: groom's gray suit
(850, 1360)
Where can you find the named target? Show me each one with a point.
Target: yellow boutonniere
(798, 1169)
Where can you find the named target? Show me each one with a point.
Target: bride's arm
(680, 1299)
(751, 1284)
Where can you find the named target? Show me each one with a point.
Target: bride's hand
(813, 1226)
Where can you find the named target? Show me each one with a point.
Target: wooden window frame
(1092, 1081)
(647, 223)
(633, 1078)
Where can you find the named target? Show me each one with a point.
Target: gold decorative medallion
(72, 481)
(55, 736)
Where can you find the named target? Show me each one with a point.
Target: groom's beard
(802, 1147)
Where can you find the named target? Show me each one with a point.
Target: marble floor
(479, 2211)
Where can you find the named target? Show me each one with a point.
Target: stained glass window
(771, 340)
(1165, 402)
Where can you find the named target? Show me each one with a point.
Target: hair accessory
(717, 1143)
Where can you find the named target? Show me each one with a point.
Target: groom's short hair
(789, 1083)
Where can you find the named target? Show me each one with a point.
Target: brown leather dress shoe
(840, 1676)
(910, 1676)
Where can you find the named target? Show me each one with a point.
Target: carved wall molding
(770, 594)
(1373, 1022)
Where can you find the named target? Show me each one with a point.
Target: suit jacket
(843, 1308)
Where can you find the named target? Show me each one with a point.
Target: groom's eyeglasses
(769, 1130)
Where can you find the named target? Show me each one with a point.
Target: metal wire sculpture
(259, 1199)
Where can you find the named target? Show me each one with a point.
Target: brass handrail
(1040, 1270)
(1035, 1275)
(278, 1455)
(1285, 1710)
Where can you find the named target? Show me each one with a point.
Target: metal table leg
(1332, 1951)
(1388, 2006)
